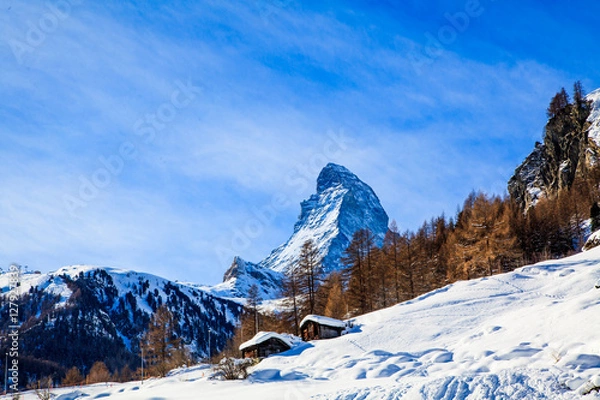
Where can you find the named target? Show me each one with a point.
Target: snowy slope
(342, 205)
(528, 334)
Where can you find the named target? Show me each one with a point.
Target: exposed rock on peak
(335, 175)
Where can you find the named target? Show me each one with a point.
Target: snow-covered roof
(335, 323)
(261, 337)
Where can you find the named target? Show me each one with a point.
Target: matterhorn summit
(342, 205)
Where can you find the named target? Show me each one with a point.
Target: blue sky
(171, 136)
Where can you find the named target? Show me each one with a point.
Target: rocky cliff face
(527, 185)
(571, 146)
(342, 205)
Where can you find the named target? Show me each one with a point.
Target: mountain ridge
(80, 314)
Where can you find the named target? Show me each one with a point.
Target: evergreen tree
(359, 262)
(408, 264)
(391, 249)
(381, 279)
(558, 104)
(126, 374)
(291, 290)
(483, 241)
(73, 377)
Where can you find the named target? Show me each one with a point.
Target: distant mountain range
(81, 314)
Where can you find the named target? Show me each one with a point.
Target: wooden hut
(314, 327)
(263, 344)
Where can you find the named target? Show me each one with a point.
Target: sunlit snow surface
(530, 334)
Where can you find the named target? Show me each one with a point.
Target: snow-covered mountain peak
(111, 308)
(342, 205)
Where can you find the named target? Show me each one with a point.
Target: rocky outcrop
(528, 184)
(570, 148)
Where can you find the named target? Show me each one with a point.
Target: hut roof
(332, 322)
(261, 337)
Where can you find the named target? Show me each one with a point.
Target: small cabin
(263, 344)
(314, 327)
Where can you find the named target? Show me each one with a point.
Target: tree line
(489, 235)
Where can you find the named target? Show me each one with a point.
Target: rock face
(342, 205)
(571, 146)
(528, 183)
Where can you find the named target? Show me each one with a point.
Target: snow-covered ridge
(126, 300)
